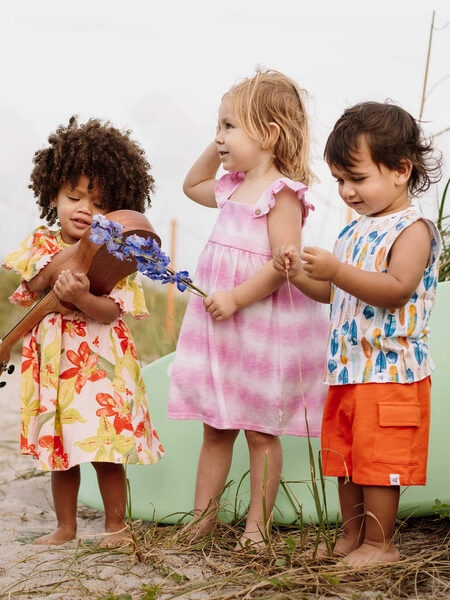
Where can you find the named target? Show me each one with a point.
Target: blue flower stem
(192, 288)
(189, 284)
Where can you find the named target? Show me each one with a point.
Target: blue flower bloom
(150, 259)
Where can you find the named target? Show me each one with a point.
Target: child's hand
(221, 305)
(319, 264)
(70, 287)
(287, 258)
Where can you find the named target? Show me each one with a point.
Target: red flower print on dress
(85, 367)
(143, 429)
(30, 357)
(57, 458)
(74, 328)
(117, 407)
(43, 245)
(124, 335)
(22, 296)
(155, 435)
(140, 429)
(28, 449)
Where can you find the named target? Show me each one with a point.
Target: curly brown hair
(392, 135)
(112, 161)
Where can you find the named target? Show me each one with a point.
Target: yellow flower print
(107, 443)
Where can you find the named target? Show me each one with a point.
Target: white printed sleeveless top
(368, 344)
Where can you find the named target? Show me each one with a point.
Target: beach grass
(160, 564)
(443, 224)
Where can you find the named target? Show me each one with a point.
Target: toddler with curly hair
(82, 394)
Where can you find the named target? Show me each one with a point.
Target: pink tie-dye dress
(243, 373)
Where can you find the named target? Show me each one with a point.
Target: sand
(76, 570)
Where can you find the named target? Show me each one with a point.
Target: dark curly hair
(96, 149)
(392, 135)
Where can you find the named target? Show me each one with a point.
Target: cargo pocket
(398, 422)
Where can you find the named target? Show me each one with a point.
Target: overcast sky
(160, 69)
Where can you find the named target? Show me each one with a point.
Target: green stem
(441, 206)
(425, 79)
(189, 284)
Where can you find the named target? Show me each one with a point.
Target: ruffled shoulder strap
(268, 197)
(226, 185)
(34, 252)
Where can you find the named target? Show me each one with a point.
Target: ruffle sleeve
(268, 199)
(226, 185)
(129, 296)
(33, 254)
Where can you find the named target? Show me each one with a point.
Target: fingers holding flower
(221, 305)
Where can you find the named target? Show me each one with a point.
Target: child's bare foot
(113, 539)
(343, 547)
(250, 540)
(197, 529)
(371, 554)
(61, 535)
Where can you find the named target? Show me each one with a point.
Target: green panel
(165, 491)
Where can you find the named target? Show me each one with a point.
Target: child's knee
(259, 440)
(211, 435)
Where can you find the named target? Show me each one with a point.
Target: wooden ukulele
(103, 270)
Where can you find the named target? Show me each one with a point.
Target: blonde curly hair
(271, 97)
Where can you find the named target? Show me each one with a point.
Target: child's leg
(213, 467)
(380, 508)
(351, 500)
(265, 472)
(112, 484)
(65, 485)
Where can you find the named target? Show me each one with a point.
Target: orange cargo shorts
(377, 433)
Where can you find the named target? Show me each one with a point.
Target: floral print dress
(83, 398)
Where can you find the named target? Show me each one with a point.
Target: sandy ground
(76, 570)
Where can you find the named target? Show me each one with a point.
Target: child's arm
(41, 281)
(409, 256)
(283, 223)
(74, 288)
(288, 258)
(200, 182)
(223, 303)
